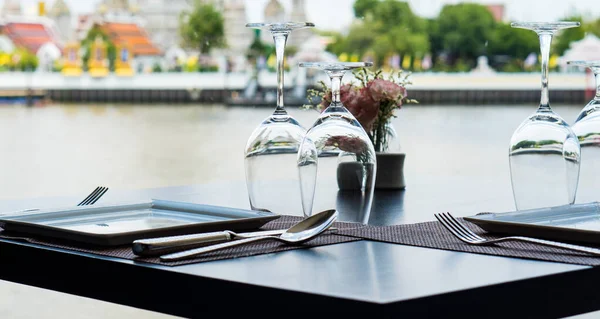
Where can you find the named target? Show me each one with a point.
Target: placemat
(252, 249)
(434, 235)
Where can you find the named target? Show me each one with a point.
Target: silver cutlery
(466, 235)
(163, 245)
(298, 233)
(92, 198)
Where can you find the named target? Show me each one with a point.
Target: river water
(58, 150)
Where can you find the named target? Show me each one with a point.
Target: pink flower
(351, 144)
(363, 107)
(381, 90)
(346, 91)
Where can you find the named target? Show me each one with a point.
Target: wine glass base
(545, 26)
(280, 26)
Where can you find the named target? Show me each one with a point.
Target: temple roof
(29, 35)
(133, 35)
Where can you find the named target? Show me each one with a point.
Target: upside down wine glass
(271, 149)
(587, 130)
(337, 155)
(544, 153)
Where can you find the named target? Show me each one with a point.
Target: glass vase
(386, 139)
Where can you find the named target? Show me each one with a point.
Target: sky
(337, 14)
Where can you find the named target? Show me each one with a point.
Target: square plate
(573, 223)
(119, 224)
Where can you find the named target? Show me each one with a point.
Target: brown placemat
(258, 248)
(434, 235)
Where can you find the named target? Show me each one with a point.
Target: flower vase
(390, 161)
(351, 175)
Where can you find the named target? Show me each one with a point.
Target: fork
(92, 198)
(468, 236)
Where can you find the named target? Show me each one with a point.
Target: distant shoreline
(427, 88)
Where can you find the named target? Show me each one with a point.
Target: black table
(362, 278)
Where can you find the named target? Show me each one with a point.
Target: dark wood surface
(357, 279)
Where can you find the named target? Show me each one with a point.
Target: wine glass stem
(280, 38)
(545, 41)
(336, 85)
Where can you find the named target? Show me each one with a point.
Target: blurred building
(161, 20)
(31, 34)
(83, 25)
(116, 9)
(39, 35)
(122, 22)
(274, 12)
(497, 11)
(146, 54)
(237, 36)
(298, 37)
(11, 7)
(61, 14)
(586, 49)
(106, 10)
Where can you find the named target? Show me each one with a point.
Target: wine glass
(269, 157)
(544, 153)
(337, 150)
(587, 130)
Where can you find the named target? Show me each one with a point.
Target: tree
(462, 31)
(26, 61)
(257, 47)
(593, 27)
(564, 37)
(387, 27)
(513, 42)
(202, 28)
(392, 13)
(360, 38)
(362, 7)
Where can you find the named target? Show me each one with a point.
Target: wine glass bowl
(587, 129)
(271, 150)
(544, 152)
(336, 154)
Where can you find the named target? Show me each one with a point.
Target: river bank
(428, 88)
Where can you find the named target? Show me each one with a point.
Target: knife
(161, 245)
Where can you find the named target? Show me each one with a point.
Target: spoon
(298, 233)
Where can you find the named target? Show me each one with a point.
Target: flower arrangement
(350, 144)
(373, 101)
